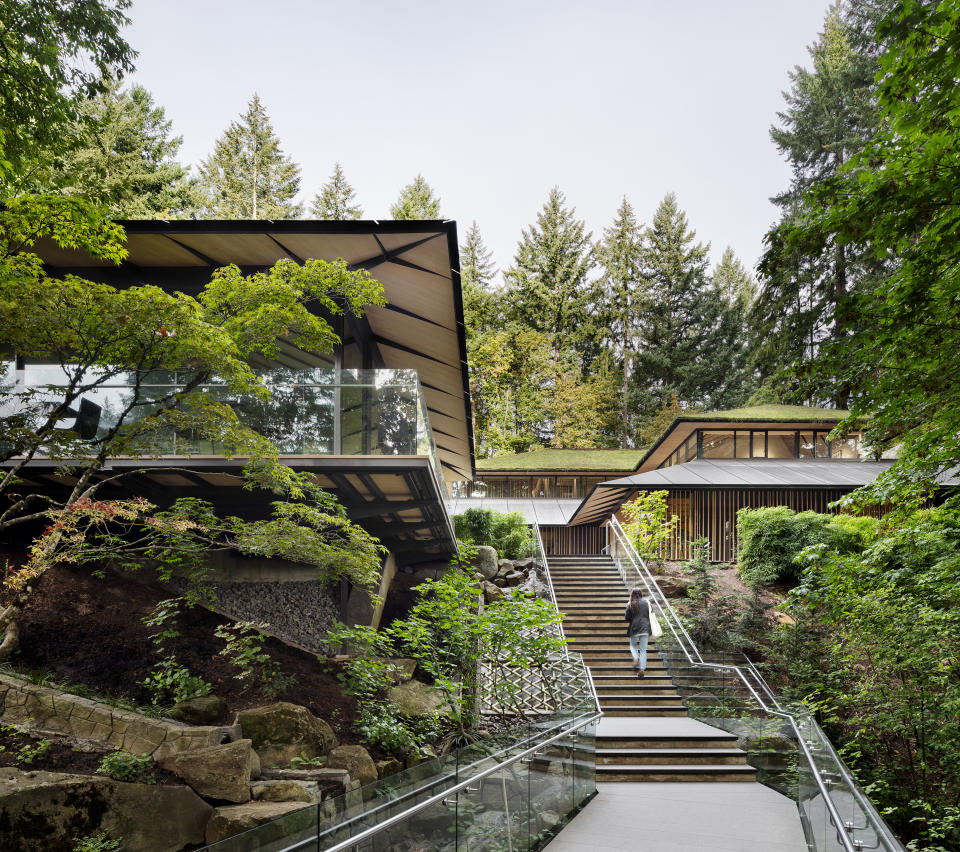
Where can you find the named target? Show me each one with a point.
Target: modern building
(711, 464)
(384, 421)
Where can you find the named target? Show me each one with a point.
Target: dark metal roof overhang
(417, 262)
(607, 497)
(396, 498)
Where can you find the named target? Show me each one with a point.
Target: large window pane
(844, 448)
(690, 447)
(743, 445)
(781, 445)
(806, 446)
(822, 445)
(520, 487)
(759, 444)
(718, 445)
(543, 486)
(567, 487)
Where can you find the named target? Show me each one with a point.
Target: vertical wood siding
(565, 540)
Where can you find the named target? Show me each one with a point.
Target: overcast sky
(495, 102)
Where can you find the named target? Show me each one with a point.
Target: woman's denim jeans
(638, 647)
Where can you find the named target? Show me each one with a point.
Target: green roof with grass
(790, 413)
(564, 460)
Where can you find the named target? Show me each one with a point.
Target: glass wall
(762, 444)
(524, 486)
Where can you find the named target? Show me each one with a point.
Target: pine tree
(248, 176)
(735, 282)
(549, 285)
(125, 158)
(477, 270)
(625, 283)
(416, 201)
(691, 336)
(830, 113)
(335, 199)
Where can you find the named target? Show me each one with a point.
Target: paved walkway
(680, 816)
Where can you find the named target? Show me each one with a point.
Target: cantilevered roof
(607, 497)
(417, 262)
(544, 511)
(751, 417)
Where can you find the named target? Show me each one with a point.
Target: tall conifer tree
(549, 283)
(690, 335)
(248, 176)
(125, 158)
(830, 113)
(336, 199)
(416, 201)
(625, 284)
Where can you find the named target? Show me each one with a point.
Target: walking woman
(638, 614)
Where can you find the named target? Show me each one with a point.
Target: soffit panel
(419, 293)
(351, 247)
(160, 251)
(241, 249)
(432, 256)
(395, 241)
(431, 340)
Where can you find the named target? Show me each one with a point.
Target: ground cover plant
(506, 532)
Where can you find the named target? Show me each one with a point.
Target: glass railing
(782, 740)
(509, 791)
(308, 412)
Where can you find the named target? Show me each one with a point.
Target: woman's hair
(636, 595)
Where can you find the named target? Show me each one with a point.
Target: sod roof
(791, 413)
(564, 460)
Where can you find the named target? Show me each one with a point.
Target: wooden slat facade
(712, 514)
(566, 540)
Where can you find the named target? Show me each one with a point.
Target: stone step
(672, 756)
(674, 772)
(637, 686)
(612, 681)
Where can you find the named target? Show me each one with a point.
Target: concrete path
(684, 817)
(680, 816)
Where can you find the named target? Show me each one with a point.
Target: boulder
(390, 766)
(416, 699)
(674, 587)
(356, 760)
(504, 567)
(284, 791)
(404, 668)
(524, 564)
(50, 810)
(499, 582)
(216, 772)
(491, 592)
(514, 578)
(485, 562)
(233, 819)
(283, 731)
(205, 710)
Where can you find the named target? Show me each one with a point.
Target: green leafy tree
(625, 284)
(805, 295)
(55, 53)
(692, 339)
(125, 159)
(899, 196)
(248, 176)
(506, 532)
(650, 525)
(101, 335)
(336, 199)
(416, 201)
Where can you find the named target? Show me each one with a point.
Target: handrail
(776, 710)
(578, 724)
(553, 594)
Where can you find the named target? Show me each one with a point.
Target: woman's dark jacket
(639, 621)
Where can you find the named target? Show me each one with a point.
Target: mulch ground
(87, 630)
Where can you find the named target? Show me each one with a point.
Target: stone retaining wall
(47, 710)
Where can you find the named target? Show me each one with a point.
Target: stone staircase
(592, 598)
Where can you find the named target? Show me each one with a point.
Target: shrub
(771, 539)
(99, 842)
(649, 525)
(506, 532)
(244, 649)
(124, 766)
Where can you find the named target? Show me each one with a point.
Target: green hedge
(506, 532)
(770, 539)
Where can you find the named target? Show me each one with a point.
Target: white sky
(494, 102)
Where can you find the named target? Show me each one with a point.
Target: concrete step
(671, 756)
(629, 699)
(678, 742)
(644, 710)
(638, 686)
(608, 681)
(674, 772)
